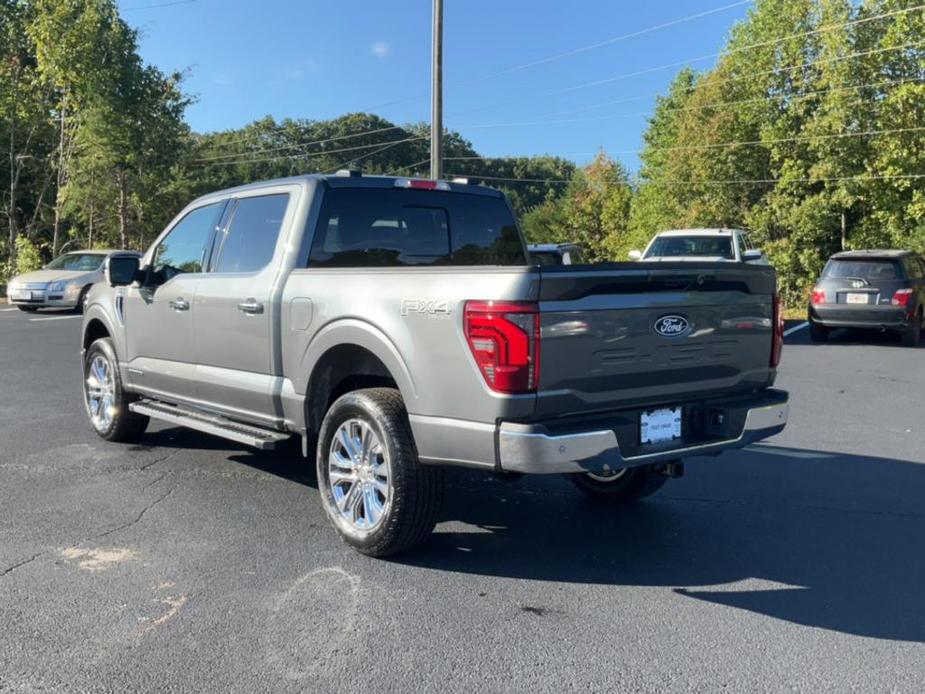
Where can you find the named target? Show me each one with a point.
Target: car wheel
(626, 485)
(81, 304)
(376, 493)
(913, 333)
(105, 399)
(818, 333)
(28, 309)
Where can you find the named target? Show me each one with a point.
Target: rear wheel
(626, 485)
(913, 333)
(105, 399)
(375, 491)
(817, 332)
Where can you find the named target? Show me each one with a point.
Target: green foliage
(28, 256)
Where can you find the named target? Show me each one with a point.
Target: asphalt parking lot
(187, 563)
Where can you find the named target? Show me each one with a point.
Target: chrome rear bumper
(522, 448)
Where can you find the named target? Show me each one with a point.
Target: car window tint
(79, 262)
(913, 268)
(679, 246)
(364, 227)
(250, 238)
(183, 248)
(868, 269)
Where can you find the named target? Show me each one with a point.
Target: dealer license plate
(856, 299)
(659, 426)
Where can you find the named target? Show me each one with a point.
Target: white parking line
(796, 328)
(34, 320)
(9, 309)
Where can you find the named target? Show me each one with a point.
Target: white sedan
(729, 245)
(63, 283)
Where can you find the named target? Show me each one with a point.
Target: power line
(158, 5)
(608, 42)
(374, 152)
(874, 177)
(576, 51)
(302, 145)
(682, 63)
(307, 155)
(715, 104)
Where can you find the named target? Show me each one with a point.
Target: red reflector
(777, 338)
(902, 297)
(818, 296)
(504, 337)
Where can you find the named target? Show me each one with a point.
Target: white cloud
(381, 49)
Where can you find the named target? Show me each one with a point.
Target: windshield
(867, 269)
(82, 262)
(679, 246)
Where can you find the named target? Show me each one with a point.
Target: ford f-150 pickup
(397, 325)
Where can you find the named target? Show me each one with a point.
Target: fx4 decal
(425, 306)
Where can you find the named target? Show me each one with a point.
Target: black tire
(416, 490)
(27, 309)
(818, 333)
(124, 425)
(624, 486)
(82, 299)
(913, 334)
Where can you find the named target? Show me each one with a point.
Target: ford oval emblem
(672, 326)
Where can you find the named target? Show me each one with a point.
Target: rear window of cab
(867, 269)
(377, 227)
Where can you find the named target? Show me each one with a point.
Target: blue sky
(310, 59)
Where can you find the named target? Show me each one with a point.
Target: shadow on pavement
(852, 563)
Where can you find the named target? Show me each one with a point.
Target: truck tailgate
(645, 334)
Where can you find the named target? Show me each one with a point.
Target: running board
(257, 437)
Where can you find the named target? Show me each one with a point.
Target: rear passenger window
(250, 238)
(369, 227)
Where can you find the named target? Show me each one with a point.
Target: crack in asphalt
(159, 460)
(141, 515)
(20, 564)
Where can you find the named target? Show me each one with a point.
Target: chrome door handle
(179, 304)
(250, 306)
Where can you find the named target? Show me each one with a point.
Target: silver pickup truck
(397, 326)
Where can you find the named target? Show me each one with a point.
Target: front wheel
(621, 486)
(105, 399)
(376, 493)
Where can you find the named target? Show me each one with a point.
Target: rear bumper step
(257, 437)
(526, 449)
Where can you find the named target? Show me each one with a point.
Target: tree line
(809, 131)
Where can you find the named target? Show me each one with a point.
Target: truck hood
(48, 276)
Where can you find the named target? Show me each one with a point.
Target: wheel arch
(349, 353)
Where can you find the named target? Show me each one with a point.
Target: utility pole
(436, 95)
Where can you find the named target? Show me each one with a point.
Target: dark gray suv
(882, 290)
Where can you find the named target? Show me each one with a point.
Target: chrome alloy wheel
(608, 476)
(358, 475)
(99, 389)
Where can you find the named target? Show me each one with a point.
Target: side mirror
(752, 255)
(635, 255)
(122, 270)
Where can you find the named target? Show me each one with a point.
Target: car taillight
(421, 184)
(504, 337)
(902, 297)
(777, 326)
(818, 296)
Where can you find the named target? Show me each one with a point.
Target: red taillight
(421, 184)
(777, 339)
(818, 296)
(504, 337)
(902, 297)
